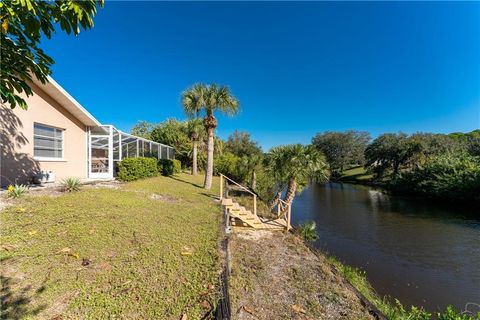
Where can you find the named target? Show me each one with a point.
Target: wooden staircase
(239, 216)
(237, 212)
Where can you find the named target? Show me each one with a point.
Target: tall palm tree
(295, 165)
(195, 130)
(207, 99)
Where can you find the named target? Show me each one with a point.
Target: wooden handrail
(288, 214)
(238, 184)
(222, 176)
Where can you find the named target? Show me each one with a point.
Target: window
(47, 141)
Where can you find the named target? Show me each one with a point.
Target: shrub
(168, 167)
(455, 177)
(227, 164)
(130, 169)
(16, 191)
(308, 231)
(71, 184)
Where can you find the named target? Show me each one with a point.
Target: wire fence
(224, 311)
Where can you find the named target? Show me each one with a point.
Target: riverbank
(274, 275)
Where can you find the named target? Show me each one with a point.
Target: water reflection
(420, 252)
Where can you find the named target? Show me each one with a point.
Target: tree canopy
(143, 129)
(342, 149)
(23, 24)
(241, 144)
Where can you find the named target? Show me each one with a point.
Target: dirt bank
(275, 276)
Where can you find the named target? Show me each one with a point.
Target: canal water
(423, 253)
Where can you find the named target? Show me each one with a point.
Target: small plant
(308, 231)
(16, 190)
(71, 184)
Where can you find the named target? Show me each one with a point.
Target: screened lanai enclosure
(108, 145)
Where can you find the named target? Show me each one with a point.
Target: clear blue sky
(297, 68)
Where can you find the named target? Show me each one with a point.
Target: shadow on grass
(16, 304)
(185, 181)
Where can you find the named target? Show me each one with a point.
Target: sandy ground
(275, 276)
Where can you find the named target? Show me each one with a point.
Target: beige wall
(17, 163)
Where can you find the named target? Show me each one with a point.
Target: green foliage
(17, 190)
(470, 139)
(390, 151)
(71, 184)
(143, 129)
(446, 176)
(342, 149)
(295, 161)
(240, 144)
(23, 24)
(168, 167)
(267, 186)
(130, 169)
(208, 99)
(174, 133)
(227, 164)
(308, 231)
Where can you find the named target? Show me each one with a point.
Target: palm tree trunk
(254, 180)
(209, 172)
(291, 189)
(194, 158)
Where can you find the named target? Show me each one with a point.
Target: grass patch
(105, 253)
(358, 174)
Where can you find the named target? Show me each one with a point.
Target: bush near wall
(169, 167)
(130, 169)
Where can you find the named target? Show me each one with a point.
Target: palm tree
(249, 165)
(195, 130)
(294, 166)
(208, 99)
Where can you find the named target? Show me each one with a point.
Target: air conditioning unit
(44, 177)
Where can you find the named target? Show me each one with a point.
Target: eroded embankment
(274, 275)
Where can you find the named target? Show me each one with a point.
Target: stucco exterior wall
(17, 163)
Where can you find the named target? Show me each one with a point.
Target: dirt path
(275, 276)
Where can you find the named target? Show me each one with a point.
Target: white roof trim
(53, 89)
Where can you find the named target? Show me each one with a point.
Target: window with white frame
(47, 141)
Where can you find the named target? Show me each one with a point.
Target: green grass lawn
(355, 174)
(113, 253)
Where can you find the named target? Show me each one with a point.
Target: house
(58, 135)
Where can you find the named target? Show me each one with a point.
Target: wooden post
(255, 204)
(221, 187)
(289, 216)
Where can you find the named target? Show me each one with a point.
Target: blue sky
(297, 68)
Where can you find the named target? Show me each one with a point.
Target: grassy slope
(357, 174)
(133, 247)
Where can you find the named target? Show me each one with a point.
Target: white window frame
(62, 158)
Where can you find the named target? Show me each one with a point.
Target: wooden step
(227, 202)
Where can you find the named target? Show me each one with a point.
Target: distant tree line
(437, 165)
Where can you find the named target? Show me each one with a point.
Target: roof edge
(53, 85)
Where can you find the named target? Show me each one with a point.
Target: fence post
(221, 187)
(289, 216)
(255, 204)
